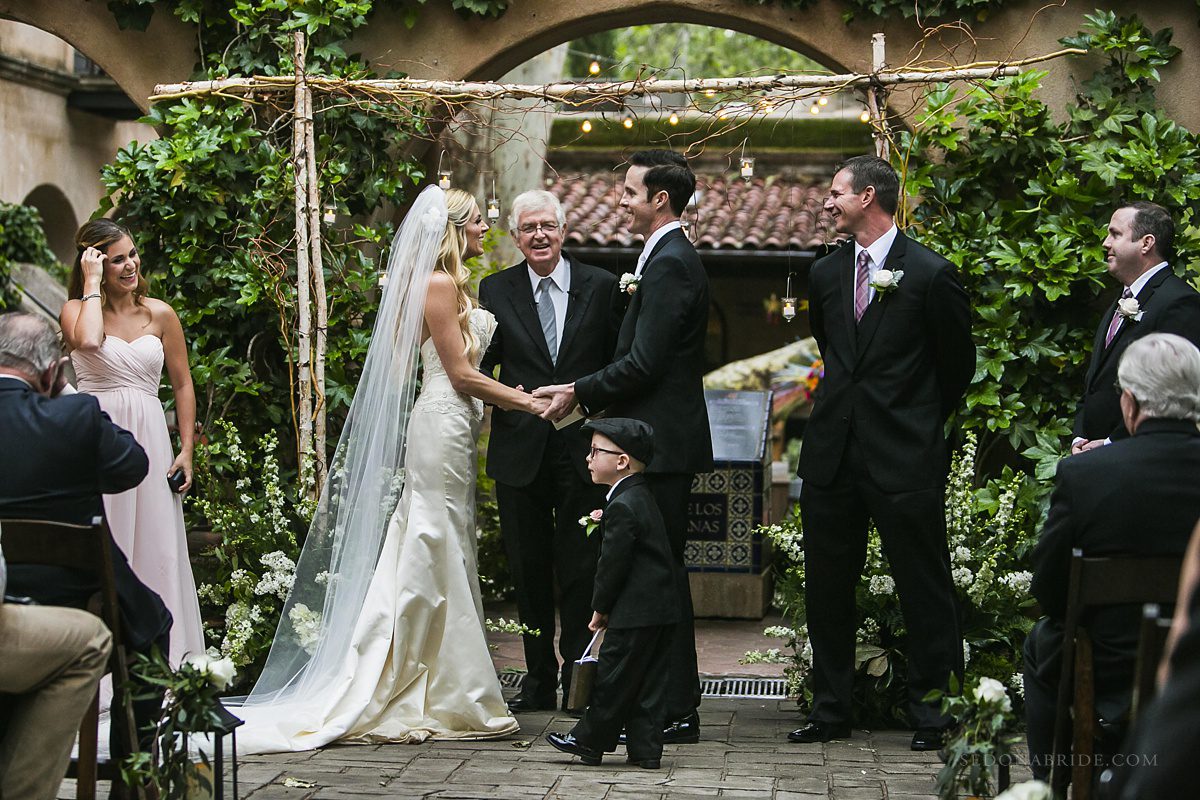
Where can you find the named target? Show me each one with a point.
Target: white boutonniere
(629, 283)
(589, 522)
(1129, 309)
(885, 280)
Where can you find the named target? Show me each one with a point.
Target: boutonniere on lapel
(589, 522)
(1129, 309)
(885, 280)
(629, 283)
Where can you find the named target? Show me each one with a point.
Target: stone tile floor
(743, 753)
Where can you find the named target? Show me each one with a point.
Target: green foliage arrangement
(211, 204)
(1020, 203)
(990, 530)
(253, 567)
(22, 241)
(190, 706)
(983, 738)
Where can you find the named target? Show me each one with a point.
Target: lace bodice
(437, 393)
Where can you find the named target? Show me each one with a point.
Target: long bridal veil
(365, 481)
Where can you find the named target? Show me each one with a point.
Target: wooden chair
(1096, 582)
(1152, 640)
(87, 548)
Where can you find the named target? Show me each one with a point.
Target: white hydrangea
(307, 625)
(962, 577)
(961, 555)
(321, 578)
(882, 585)
(1017, 682)
(779, 632)
(1018, 582)
(966, 652)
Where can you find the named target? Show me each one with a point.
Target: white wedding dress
(418, 665)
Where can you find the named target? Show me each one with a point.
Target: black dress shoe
(523, 703)
(683, 731)
(567, 744)
(928, 739)
(644, 763)
(819, 732)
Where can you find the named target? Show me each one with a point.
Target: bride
(382, 636)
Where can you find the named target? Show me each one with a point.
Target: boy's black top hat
(633, 436)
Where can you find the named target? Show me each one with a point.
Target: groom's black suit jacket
(61, 455)
(892, 378)
(1169, 305)
(518, 346)
(658, 368)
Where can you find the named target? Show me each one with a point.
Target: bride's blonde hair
(461, 208)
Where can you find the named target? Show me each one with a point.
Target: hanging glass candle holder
(443, 173)
(789, 302)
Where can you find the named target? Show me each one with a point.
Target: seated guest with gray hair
(61, 455)
(1139, 497)
(52, 663)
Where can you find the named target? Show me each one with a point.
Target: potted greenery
(980, 742)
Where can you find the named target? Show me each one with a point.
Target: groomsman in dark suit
(656, 376)
(557, 319)
(61, 455)
(893, 326)
(1139, 496)
(1139, 242)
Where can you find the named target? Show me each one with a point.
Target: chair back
(89, 549)
(1152, 640)
(1097, 581)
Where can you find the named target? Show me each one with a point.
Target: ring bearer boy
(635, 599)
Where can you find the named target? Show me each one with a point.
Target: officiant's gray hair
(27, 342)
(535, 200)
(1162, 371)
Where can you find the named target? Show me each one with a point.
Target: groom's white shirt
(654, 239)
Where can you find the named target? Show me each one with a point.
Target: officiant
(557, 319)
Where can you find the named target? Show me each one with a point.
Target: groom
(656, 377)
(556, 319)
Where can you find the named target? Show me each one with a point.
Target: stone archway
(58, 219)
(444, 45)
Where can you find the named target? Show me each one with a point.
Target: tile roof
(775, 213)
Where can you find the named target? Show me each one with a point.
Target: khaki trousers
(52, 658)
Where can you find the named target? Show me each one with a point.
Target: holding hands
(561, 399)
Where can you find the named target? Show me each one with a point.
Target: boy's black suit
(1169, 305)
(1137, 496)
(542, 483)
(61, 455)
(875, 449)
(657, 377)
(636, 586)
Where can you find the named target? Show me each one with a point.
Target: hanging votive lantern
(747, 162)
(443, 173)
(493, 205)
(789, 302)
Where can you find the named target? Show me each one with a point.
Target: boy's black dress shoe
(522, 703)
(819, 732)
(683, 731)
(644, 763)
(928, 739)
(567, 743)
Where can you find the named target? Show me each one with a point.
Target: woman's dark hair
(100, 234)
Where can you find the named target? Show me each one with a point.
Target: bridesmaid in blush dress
(119, 340)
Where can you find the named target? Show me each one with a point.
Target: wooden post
(877, 97)
(319, 299)
(304, 422)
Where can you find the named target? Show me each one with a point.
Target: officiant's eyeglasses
(602, 450)
(546, 227)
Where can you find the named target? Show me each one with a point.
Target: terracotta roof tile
(775, 213)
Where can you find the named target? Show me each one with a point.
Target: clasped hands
(562, 400)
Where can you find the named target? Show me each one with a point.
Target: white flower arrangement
(307, 625)
(629, 282)
(219, 671)
(1029, 790)
(1129, 309)
(1018, 582)
(991, 691)
(886, 280)
(882, 584)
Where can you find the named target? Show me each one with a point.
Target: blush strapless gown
(146, 521)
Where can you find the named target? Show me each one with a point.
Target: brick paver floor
(743, 753)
